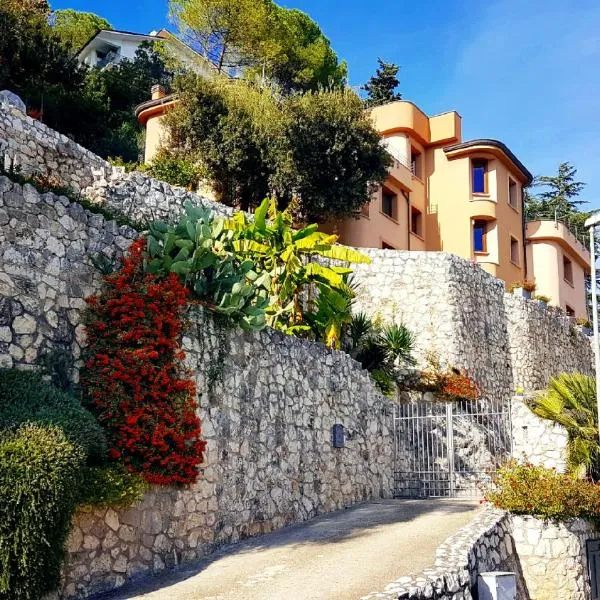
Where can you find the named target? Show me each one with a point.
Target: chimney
(157, 91)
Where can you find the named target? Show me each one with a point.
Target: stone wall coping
(453, 565)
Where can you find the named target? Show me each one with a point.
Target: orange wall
(548, 243)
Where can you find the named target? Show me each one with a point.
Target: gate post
(450, 444)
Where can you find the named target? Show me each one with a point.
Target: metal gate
(449, 449)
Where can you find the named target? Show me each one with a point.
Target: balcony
(483, 208)
(401, 170)
(555, 231)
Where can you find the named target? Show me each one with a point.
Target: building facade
(559, 265)
(445, 194)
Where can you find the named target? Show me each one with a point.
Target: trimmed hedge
(26, 397)
(40, 478)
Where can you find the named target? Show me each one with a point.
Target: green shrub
(524, 489)
(40, 475)
(26, 397)
(174, 169)
(111, 485)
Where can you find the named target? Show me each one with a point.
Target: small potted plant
(545, 300)
(585, 325)
(523, 289)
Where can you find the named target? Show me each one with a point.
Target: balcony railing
(400, 158)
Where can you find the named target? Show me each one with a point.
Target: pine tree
(381, 88)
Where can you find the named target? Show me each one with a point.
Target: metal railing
(449, 449)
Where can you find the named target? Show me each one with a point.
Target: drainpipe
(525, 242)
(407, 198)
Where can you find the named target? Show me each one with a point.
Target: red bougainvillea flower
(133, 378)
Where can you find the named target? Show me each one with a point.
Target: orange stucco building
(443, 194)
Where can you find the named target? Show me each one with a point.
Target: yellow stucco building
(443, 194)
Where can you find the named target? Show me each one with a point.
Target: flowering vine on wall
(133, 378)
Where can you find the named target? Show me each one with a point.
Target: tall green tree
(35, 64)
(557, 197)
(381, 88)
(260, 38)
(301, 57)
(229, 33)
(75, 28)
(317, 148)
(337, 156)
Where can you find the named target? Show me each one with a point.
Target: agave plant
(379, 350)
(289, 257)
(198, 249)
(570, 401)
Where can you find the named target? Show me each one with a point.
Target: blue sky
(526, 72)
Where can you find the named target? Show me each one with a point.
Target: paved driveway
(342, 555)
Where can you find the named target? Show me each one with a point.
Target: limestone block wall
(538, 441)
(37, 149)
(267, 403)
(47, 248)
(463, 314)
(543, 342)
(553, 558)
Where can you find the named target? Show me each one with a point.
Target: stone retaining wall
(463, 315)
(535, 440)
(267, 403)
(549, 560)
(553, 558)
(36, 149)
(483, 545)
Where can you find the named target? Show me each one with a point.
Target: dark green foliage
(558, 199)
(26, 397)
(174, 168)
(40, 477)
(381, 88)
(94, 107)
(259, 39)
(111, 485)
(336, 155)
(36, 66)
(75, 28)
(58, 365)
(318, 148)
(380, 350)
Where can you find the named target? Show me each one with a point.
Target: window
(364, 209)
(514, 251)
(479, 232)
(415, 162)
(388, 203)
(416, 221)
(480, 168)
(567, 270)
(570, 312)
(512, 193)
(386, 246)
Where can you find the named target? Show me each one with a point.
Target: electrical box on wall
(497, 585)
(337, 436)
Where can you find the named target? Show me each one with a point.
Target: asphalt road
(342, 555)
